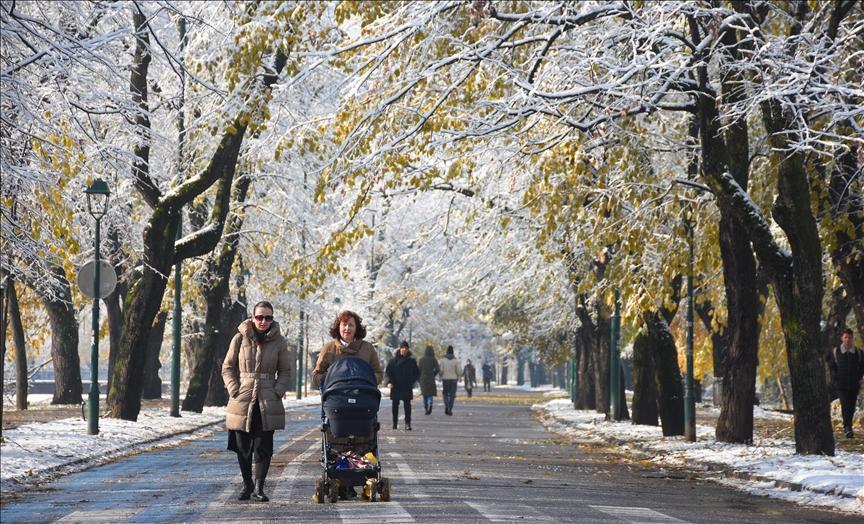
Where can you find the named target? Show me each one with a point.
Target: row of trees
(436, 164)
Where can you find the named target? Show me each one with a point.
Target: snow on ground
(769, 467)
(36, 452)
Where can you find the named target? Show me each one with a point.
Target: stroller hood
(350, 373)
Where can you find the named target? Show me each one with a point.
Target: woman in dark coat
(402, 372)
(428, 369)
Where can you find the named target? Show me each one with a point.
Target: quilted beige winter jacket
(256, 371)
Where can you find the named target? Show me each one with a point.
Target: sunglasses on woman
(262, 318)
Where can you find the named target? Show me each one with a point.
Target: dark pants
(449, 393)
(487, 384)
(847, 405)
(468, 389)
(407, 404)
(257, 445)
(427, 402)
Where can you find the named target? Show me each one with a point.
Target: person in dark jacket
(402, 372)
(469, 377)
(428, 369)
(846, 364)
(487, 377)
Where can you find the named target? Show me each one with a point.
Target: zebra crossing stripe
(98, 515)
(408, 476)
(498, 512)
(283, 491)
(374, 512)
(637, 515)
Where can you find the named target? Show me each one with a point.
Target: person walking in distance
(487, 376)
(256, 372)
(846, 364)
(428, 369)
(402, 372)
(469, 377)
(450, 373)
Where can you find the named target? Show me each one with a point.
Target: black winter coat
(428, 369)
(402, 372)
(847, 369)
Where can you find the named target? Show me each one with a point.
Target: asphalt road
(490, 462)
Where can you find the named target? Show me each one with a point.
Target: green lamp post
(97, 205)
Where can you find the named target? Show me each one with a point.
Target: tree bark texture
(17, 326)
(799, 292)
(113, 309)
(735, 423)
(152, 388)
(232, 316)
(670, 388)
(64, 339)
(586, 392)
(644, 382)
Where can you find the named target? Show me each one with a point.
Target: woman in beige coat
(256, 372)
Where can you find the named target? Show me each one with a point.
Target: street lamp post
(97, 206)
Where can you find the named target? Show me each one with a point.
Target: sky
(34, 453)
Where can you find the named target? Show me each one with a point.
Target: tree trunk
(670, 389)
(728, 152)
(160, 251)
(20, 350)
(586, 392)
(798, 289)
(232, 316)
(113, 309)
(603, 354)
(644, 382)
(4, 308)
(152, 388)
(64, 339)
(210, 355)
(735, 423)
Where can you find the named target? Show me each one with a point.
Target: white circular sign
(107, 278)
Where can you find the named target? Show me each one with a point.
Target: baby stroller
(349, 428)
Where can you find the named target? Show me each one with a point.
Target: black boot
(258, 493)
(248, 486)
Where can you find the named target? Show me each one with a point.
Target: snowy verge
(37, 452)
(769, 467)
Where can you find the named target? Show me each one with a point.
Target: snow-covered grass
(768, 467)
(36, 452)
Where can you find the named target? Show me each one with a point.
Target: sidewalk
(46, 442)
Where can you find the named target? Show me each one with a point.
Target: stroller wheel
(320, 495)
(384, 489)
(334, 491)
(370, 490)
